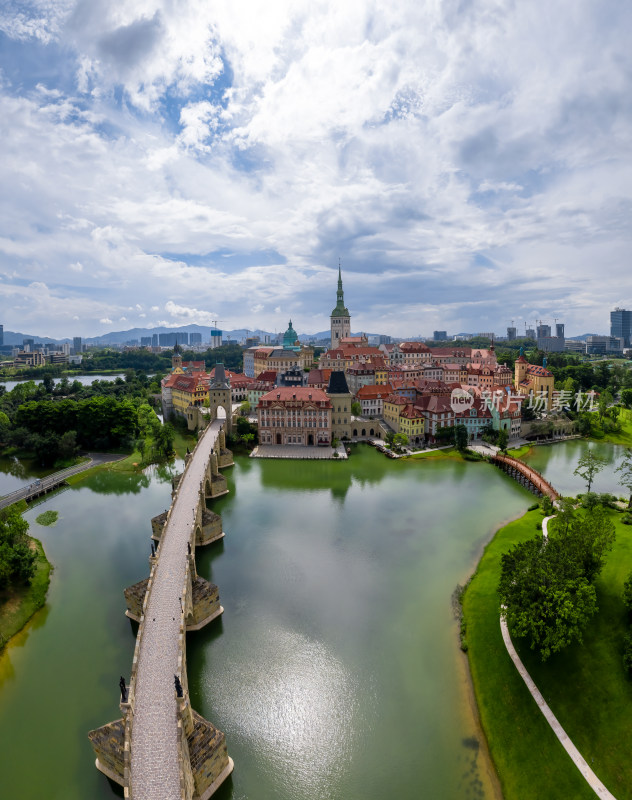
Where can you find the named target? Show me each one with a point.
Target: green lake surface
(334, 671)
(557, 462)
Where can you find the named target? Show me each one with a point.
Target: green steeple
(340, 310)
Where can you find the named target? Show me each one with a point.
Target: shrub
(627, 593)
(627, 652)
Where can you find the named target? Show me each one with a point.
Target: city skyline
(468, 164)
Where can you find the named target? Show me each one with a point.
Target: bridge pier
(225, 456)
(215, 483)
(208, 528)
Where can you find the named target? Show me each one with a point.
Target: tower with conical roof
(340, 317)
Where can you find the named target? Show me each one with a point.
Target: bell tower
(340, 317)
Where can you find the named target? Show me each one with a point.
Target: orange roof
(372, 391)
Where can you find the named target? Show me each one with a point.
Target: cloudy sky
(177, 161)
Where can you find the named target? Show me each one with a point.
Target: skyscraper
(340, 317)
(621, 325)
(76, 345)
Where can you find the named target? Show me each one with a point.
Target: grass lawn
(625, 437)
(452, 452)
(19, 605)
(586, 686)
(530, 762)
(519, 452)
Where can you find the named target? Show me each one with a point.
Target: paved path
(50, 482)
(593, 781)
(155, 773)
(297, 451)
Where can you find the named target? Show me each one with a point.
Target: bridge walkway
(538, 481)
(49, 482)
(154, 745)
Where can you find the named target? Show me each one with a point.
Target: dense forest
(53, 421)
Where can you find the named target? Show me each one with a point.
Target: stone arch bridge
(161, 749)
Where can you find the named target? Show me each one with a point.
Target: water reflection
(297, 716)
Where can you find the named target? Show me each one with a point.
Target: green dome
(289, 337)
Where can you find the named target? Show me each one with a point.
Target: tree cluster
(547, 586)
(17, 559)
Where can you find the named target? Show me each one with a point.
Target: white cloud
(443, 155)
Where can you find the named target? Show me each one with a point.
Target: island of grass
(19, 600)
(585, 685)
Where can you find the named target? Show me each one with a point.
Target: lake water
(557, 462)
(334, 671)
(84, 380)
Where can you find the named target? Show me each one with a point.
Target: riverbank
(18, 606)
(585, 685)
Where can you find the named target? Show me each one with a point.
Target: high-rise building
(621, 325)
(511, 333)
(340, 317)
(530, 333)
(559, 330)
(145, 341)
(440, 336)
(154, 340)
(544, 331)
(1, 335)
(195, 338)
(76, 345)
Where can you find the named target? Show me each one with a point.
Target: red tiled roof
(304, 394)
(267, 375)
(410, 412)
(542, 372)
(413, 347)
(373, 391)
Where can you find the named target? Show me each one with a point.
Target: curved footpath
(155, 771)
(593, 781)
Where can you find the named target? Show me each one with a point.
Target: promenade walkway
(155, 771)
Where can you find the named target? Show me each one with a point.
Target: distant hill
(14, 338)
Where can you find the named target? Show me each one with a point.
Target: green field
(585, 685)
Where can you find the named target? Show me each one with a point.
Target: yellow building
(531, 380)
(412, 423)
(381, 375)
(188, 390)
(393, 406)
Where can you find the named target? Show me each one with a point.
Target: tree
(584, 424)
(244, 408)
(546, 587)
(17, 560)
(356, 409)
(625, 468)
(503, 438)
(543, 601)
(626, 397)
(400, 440)
(588, 466)
(461, 438)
